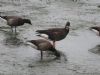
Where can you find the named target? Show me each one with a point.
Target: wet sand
(79, 47)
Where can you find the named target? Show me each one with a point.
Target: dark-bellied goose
(55, 34)
(15, 21)
(44, 45)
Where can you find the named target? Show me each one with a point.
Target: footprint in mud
(95, 50)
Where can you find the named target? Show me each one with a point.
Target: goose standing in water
(55, 34)
(44, 45)
(14, 21)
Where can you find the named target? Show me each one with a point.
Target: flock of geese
(53, 34)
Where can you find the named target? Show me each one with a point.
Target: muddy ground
(81, 46)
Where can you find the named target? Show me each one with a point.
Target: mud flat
(80, 46)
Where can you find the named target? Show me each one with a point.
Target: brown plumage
(44, 45)
(96, 28)
(15, 21)
(56, 34)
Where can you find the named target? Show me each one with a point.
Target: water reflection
(41, 63)
(11, 39)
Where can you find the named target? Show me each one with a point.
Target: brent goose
(96, 28)
(55, 34)
(44, 45)
(15, 21)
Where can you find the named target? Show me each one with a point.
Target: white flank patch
(44, 36)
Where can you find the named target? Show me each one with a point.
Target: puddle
(13, 41)
(26, 60)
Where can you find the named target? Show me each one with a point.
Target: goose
(14, 21)
(44, 45)
(55, 34)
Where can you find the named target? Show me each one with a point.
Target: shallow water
(79, 47)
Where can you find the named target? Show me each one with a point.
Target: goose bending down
(44, 45)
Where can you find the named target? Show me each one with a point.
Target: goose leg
(41, 55)
(12, 29)
(54, 44)
(15, 29)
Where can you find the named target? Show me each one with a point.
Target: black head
(67, 25)
(27, 21)
(56, 52)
